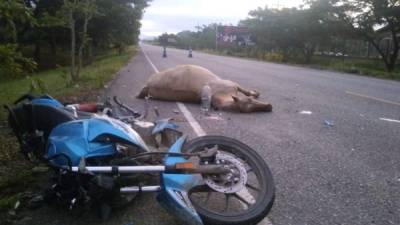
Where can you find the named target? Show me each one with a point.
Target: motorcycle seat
(35, 117)
(45, 118)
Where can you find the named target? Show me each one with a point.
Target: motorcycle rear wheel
(256, 168)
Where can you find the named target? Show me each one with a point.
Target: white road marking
(194, 124)
(373, 98)
(390, 120)
(306, 112)
(189, 117)
(150, 62)
(192, 121)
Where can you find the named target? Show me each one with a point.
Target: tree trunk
(392, 61)
(389, 58)
(396, 48)
(82, 45)
(380, 51)
(72, 27)
(309, 52)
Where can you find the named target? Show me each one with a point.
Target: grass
(360, 66)
(57, 82)
(15, 171)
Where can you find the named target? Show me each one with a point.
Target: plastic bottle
(206, 99)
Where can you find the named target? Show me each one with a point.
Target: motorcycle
(98, 160)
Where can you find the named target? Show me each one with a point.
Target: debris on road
(214, 117)
(305, 112)
(328, 123)
(176, 111)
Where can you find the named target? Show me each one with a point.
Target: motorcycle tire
(265, 200)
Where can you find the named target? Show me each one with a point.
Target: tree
(13, 63)
(49, 32)
(12, 15)
(117, 23)
(373, 20)
(186, 38)
(74, 11)
(274, 29)
(205, 36)
(316, 27)
(77, 25)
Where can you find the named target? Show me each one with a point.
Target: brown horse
(184, 83)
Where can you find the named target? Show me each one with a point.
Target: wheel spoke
(244, 196)
(207, 198)
(227, 197)
(252, 187)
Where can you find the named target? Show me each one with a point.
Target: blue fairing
(46, 100)
(174, 194)
(87, 138)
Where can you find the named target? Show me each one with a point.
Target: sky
(173, 16)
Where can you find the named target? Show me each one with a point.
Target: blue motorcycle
(99, 160)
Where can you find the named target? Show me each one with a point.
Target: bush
(274, 57)
(13, 64)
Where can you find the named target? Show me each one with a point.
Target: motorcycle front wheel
(244, 196)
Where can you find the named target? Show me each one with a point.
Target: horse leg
(249, 93)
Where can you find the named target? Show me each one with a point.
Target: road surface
(348, 173)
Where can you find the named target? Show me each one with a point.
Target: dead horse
(184, 83)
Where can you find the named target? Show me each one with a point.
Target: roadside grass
(360, 66)
(15, 171)
(57, 82)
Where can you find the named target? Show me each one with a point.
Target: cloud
(173, 16)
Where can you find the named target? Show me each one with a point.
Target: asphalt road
(348, 173)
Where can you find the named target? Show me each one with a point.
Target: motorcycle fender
(174, 192)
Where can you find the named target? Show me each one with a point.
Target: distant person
(165, 52)
(190, 52)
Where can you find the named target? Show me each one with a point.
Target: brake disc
(231, 182)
